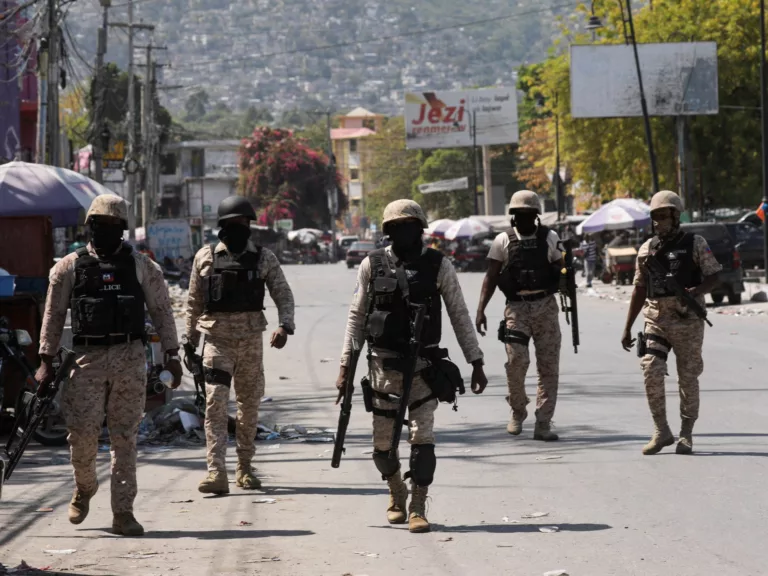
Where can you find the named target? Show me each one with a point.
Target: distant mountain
(279, 54)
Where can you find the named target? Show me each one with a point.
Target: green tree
(196, 105)
(445, 164)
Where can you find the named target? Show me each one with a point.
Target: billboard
(445, 185)
(444, 119)
(679, 79)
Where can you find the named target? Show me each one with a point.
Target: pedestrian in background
(589, 246)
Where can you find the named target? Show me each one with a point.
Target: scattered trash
(759, 297)
(507, 520)
(155, 449)
(295, 432)
(317, 439)
(190, 421)
(536, 515)
(504, 546)
(66, 551)
(44, 510)
(548, 457)
(267, 399)
(549, 529)
(265, 501)
(367, 554)
(283, 378)
(274, 447)
(139, 555)
(556, 573)
(181, 501)
(244, 523)
(23, 569)
(325, 360)
(263, 559)
(273, 436)
(449, 539)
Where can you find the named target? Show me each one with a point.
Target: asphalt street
(612, 511)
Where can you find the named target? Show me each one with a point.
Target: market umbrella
(439, 227)
(466, 228)
(40, 190)
(305, 235)
(618, 214)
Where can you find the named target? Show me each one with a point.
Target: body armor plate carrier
(107, 299)
(389, 319)
(235, 285)
(528, 266)
(675, 256)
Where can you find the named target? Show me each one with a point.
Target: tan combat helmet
(666, 199)
(109, 205)
(401, 210)
(525, 200)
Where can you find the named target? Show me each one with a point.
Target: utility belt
(528, 297)
(442, 376)
(642, 345)
(112, 340)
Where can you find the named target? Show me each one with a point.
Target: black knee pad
(423, 464)
(216, 376)
(384, 464)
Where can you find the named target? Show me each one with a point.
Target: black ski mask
(235, 236)
(106, 238)
(406, 239)
(525, 222)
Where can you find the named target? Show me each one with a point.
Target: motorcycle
(52, 430)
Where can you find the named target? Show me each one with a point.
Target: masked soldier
(669, 323)
(106, 284)
(380, 311)
(226, 303)
(525, 263)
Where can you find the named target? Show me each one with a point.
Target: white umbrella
(305, 235)
(438, 227)
(466, 228)
(618, 214)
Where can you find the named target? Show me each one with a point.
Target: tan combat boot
(398, 497)
(125, 524)
(215, 483)
(662, 436)
(417, 518)
(685, 443)
(79, 505)
(515, 425)
(543, 431)
(245, 478)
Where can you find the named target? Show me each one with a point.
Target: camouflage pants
(686, 338)
(422, 419)
(539, 321)
(108, 380)
(243, 359)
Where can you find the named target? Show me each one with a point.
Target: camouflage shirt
(671, 308)
(62, 280)
(225, 324)
(450, 290)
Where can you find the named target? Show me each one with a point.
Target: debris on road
(367, 554)
(549, 529)
(267, 399)
(294, 432)
(507, 520)
(265, 501)
(24, 569)
(556, 573)
(536, 515)
(139, 555)
(504, 546)
(44, 510)
(283, 378)
(66, 551)
(548, 457)
(325, 360)
(181, 501)
(449, 539)
(263, 559)
(244, 523)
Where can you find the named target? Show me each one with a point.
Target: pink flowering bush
(286, 179)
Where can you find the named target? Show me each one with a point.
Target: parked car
(358, 251)
(724, 249)
(343, 245)
(749, 240)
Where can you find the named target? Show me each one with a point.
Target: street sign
(445, 185)
(116, 152)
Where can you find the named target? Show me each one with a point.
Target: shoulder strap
(542, 233)
(376, 257)
(82, 252)
(654, 245)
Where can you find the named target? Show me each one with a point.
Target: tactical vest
(676, 257)
(389, 319)
(528, 266)
(107, 298)
(235, 285)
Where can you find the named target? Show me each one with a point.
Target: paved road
(618, 513)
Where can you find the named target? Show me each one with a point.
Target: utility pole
(147, 134)
(643, 103)
(53, 83)
(331, 187)
(487, 180)
(131, 112)
(101, 89)
(476, 179)
(42, 102)
(559, 196)
(764, 115)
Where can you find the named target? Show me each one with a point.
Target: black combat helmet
(234, 206)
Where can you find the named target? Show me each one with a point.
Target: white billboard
(445, 185)
(679, 79)
(445, 119)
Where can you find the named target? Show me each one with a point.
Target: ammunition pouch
(511, 336)
(444, 379)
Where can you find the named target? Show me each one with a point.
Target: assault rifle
(414, 346)
(568, 294)
(34, 409)
(672, 285)
(194, 364)
(346, 407)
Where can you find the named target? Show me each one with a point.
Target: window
(353, 146)
(354, 174)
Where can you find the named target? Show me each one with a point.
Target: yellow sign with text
(116, 151)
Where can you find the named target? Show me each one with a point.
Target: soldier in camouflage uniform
(106, 284)
(525, 263)
(226, 299)
(669, 324)
(429, 276)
